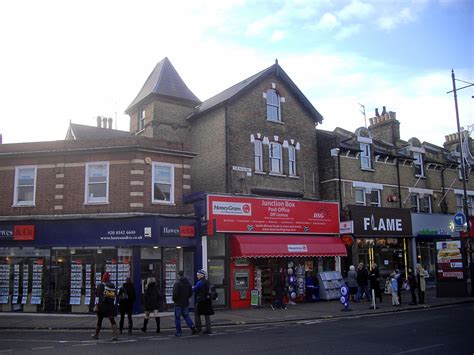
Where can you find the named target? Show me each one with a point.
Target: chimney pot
(377, 112)
(384, 110)
(99, 120)
(104, 122)
(1, 139)
(110, 122)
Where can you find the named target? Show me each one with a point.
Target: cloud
(356, 10)
(278, 36)
(328, 22)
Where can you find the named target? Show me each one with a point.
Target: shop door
(150, 266)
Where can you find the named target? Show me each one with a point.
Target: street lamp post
(463, 171)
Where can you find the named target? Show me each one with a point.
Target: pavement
(299, 312)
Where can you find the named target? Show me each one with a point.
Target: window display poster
(449, 260)
(37, 283)
(4, 283)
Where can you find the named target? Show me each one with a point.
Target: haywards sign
(262, 215)
(380, 222)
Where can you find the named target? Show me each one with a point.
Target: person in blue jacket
(203, 303)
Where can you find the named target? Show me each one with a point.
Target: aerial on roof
(82, 132)
(164, 80)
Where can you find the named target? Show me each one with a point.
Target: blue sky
(71, 61)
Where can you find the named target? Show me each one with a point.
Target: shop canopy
(274, 246)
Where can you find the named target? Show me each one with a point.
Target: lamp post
(463, 171)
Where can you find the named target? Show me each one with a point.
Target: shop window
(273, 106)
(365, 156)
(258, 155)
(292, 160)
(163, 183)
(418, 164)
(97, 182)
(275, 158)
(25, 186)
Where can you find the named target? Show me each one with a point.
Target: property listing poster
(449, 260)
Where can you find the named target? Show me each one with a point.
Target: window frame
(279, 159)
(367, 201)
(418, 164)
(460, 203)
(365, 155)
(141, 120)
(292, 162)
(258, 145)
(419, 203)
(17, 185)
(96, 200)
(270, 93)
(171, 183)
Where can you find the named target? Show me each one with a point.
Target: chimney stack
(110, 122)
(99, 121)
(385, 126)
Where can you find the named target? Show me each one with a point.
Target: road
(443, 330)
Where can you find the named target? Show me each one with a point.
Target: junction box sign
(234, 214)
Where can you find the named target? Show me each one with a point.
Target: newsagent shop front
(255, 243)
(54, 266)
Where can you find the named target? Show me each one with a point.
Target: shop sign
(346, 227)
(449, 260)
(261, 215)
(178, 231)
(381, 222)
(297, 248)
(17, 232)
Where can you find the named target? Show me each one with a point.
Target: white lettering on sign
(383, 224)
(297, 248)
(231, 208)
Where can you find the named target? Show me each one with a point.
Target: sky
(71, 61)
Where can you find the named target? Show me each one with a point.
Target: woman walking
(105, 305)
(152, 303)
(126, 297)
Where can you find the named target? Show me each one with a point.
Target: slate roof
(82, 132)
(164, 80)
(235, 90)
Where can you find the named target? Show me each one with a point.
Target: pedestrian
(126, 298)
(362, 283)
(152, 303)
(399, 277)
(278, 293)
(203, 303)
(182, 291)
(421, 276)
(394, 289)
(105, 305)
(374, 276)
(413, 286)
(352, 282)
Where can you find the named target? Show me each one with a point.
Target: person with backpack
(152, 303)
(203, 302)
(105, 301)
(182, 292)
(125, 299)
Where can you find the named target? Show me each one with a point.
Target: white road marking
(419, 349)
(43, 348)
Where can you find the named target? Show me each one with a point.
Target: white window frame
(292, 160)
(141, 120)
(361, 193)
(17, 186)
(419, 164)
(418, 199)
(367, 197)
(88, 200)
(365, 156)
(460, 203)
(272, 157)
(258, 155)
(271, 106)
(171, 183)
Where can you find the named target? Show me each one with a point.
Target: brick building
(373, 172)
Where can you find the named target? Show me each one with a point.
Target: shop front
(428, 229)
(54, 266)
(382, 236)
(265, 242)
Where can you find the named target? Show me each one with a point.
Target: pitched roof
(233, 91)
(164, 80)
(82, 132)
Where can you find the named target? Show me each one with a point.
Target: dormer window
(365, 156)
(273, 106)
(418, 164)
(141, 120)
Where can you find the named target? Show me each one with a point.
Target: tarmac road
(441, 330)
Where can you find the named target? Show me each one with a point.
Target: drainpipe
(226, 137)
(398, 183)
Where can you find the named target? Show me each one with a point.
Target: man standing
(182, 291)
(203, 302)
(362, 282)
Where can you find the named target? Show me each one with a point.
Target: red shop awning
(272, 246)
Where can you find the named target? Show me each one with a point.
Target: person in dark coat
(152, 300)
(374, 276)
(182, 291)
(105, 300)
(399, 277)
(279, 292)
(362, 282)
(203, 303)
(413, 285)
(125, 298)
